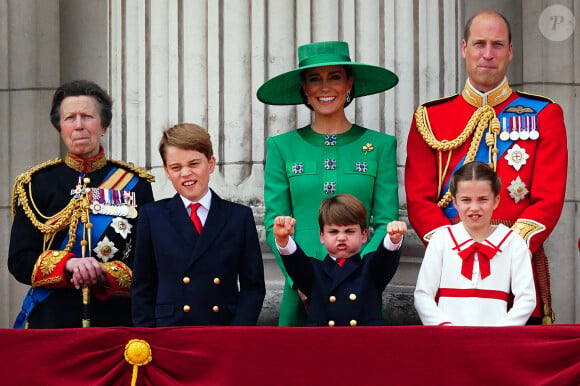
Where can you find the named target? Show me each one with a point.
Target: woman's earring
(348, 96)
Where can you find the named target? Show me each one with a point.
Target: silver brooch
(362, 167)
(329, 187)
(330, 140)
(330, 164)
(298, 168)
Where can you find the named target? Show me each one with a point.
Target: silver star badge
(105, 249)
(121, 226)
(517, 190)
(517, 156)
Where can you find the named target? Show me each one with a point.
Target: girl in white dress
(471, 268)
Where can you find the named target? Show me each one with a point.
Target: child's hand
(396, 230)
(283, 228)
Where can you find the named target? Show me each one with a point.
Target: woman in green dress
(327, 157)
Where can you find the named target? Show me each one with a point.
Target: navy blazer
(343, 296)
(181, 278)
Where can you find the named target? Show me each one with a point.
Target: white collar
(205, 201)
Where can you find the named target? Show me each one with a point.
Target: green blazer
(304, 167)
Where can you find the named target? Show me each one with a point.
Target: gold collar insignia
(86, 165)
(492, 98)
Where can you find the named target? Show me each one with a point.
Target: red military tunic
(532, 171)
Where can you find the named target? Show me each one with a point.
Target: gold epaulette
(440, 100)
(25, 178)
(535, 96)
(141, 172)
(528, 228)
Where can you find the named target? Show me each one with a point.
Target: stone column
(551, 68)
(29, 74)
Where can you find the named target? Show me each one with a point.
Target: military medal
(514, 133)
(522, 125)
(517, 156)
(504, 135)
(525, 132)
(534, 132)
(132, 212)
(111, 202)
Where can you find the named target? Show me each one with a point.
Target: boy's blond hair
(186, 136)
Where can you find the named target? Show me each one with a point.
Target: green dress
(304, 167)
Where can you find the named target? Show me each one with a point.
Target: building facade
(201, 61)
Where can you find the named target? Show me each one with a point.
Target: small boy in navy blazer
(193, 249)
(343, 289)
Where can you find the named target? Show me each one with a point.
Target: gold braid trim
(48, 225)
(478, 122)
(141, 172)
(120, 272)
(24, 178)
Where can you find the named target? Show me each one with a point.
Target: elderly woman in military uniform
(73, 230)
(327, 157)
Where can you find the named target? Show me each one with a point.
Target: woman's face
(326, 88)
(80, 125)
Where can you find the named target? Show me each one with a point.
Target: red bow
(485, 254)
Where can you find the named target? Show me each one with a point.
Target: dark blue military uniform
(40, 196)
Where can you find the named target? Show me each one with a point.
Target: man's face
(487, 52)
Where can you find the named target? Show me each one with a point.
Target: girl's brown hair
(475, 171)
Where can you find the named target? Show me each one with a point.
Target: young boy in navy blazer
(193, 249)
(343, 289)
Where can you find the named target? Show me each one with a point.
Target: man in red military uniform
(521, 135)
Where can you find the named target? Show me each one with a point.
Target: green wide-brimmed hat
(284, 89)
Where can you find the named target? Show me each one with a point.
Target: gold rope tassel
(479, 121)
(137, 353)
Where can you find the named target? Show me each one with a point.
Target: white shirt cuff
(388, 244)
(289, 249)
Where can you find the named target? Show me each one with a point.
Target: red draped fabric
(406, 355)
